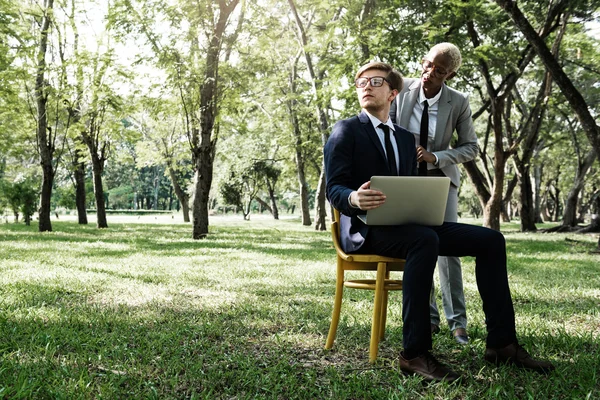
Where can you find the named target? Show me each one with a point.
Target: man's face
(373, 98)
(436, 70)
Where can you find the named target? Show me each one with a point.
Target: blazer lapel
(370, 132)
(444, 108)
(408, 103)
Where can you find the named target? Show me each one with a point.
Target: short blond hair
(393, 77)
(451, 51)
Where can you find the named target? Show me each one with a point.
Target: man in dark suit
(448, 111)
(370, 144)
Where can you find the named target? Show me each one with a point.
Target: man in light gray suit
(447, 111)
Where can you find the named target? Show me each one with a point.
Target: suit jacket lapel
(444, 108)
(411, 96)
(370, 132)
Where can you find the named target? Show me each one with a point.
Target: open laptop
(409, 200)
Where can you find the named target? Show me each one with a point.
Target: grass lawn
(140, 310)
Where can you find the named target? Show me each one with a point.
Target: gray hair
(451, 51)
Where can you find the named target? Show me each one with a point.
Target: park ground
(141, 310)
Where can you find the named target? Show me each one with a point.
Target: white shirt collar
(432, 100)
(375, 121)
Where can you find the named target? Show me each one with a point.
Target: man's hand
(365, 198)
(424, 155)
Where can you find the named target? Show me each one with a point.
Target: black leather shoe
(428, 367)
(460, 335)
(515, 354)
(435, 329)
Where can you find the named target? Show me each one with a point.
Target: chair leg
(337, 307)
(384, 310)
(379, 291)
(383, 321)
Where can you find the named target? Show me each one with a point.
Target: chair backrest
(359, 261)
(335, 232)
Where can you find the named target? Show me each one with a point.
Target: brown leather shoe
(460, 335)
(428, 367)
(515, 354)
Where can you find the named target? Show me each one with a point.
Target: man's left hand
(424, 155)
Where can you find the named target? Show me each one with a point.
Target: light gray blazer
(454, 113)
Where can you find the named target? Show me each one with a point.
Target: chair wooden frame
(381, 285)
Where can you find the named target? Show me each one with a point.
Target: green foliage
(64, 196)
(137, 76)
(21, 196)
(231, 191)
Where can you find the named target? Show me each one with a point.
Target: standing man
(447, 111)
(370, 144)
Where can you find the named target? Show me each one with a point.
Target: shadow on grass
(174, 240)
(62, 338)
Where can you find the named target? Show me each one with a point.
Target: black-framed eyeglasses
(376, 81)
(429, 66)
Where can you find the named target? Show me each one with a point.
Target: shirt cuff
(349, 202)
(437, 160)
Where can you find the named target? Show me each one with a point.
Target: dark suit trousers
(420, 246)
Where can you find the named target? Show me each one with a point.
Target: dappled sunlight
(133, 300)
(131, 294)
(201, 298)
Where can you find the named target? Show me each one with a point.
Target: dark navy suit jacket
(353, 154)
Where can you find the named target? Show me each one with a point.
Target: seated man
(370, 144)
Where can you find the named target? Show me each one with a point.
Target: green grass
(140, 310)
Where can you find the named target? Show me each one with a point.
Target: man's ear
(394, 94)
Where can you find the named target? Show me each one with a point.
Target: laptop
(417, 200)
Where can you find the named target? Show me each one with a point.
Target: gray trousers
(451, 283)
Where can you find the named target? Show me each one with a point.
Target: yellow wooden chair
(381, 285)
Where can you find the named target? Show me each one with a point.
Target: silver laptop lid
(410, 200)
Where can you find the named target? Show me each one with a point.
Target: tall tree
(315, 77)
(45, 137)
(192, 61)
(573, 96)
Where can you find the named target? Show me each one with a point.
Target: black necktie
(389, 150)
(423, 137)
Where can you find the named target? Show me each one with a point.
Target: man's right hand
(365, 198)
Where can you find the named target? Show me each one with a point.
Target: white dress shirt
(375, 121)
(414, 123)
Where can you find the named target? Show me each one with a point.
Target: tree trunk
(80, 194)
(182, 196)
(97, 168)
(271, 190)
(570, 212)
(537, 176)
(299, 154)
(321, 210)
(526, 206)
(44, 135)
(203, 181)
(156, 182)
(493, 208)
(263, 204)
